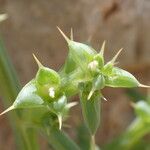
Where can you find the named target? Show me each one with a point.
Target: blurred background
(31, 28)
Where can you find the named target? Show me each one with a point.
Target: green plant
(132, 138)
(45, 98)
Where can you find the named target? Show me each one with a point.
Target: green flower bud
(93, 67)
(61, 108)
(98, 83)
(80, 53)
(47, 82)
(121, 78)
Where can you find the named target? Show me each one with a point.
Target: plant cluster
(46, 97)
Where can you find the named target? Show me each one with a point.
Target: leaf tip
(144, 86)
(37, 61)
(62, 33)
(116, 56)
(103, 48)
(7, 110)
(71, 34)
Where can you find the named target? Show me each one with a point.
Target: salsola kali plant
(85, 73)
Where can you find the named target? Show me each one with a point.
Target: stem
(93, 147)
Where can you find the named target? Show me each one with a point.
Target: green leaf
(121, 78)
(90, 108)
(28, 98)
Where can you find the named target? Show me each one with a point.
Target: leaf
(121, 78)
(90, 108)
(27, 98)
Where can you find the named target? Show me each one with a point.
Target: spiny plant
(84, 73)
